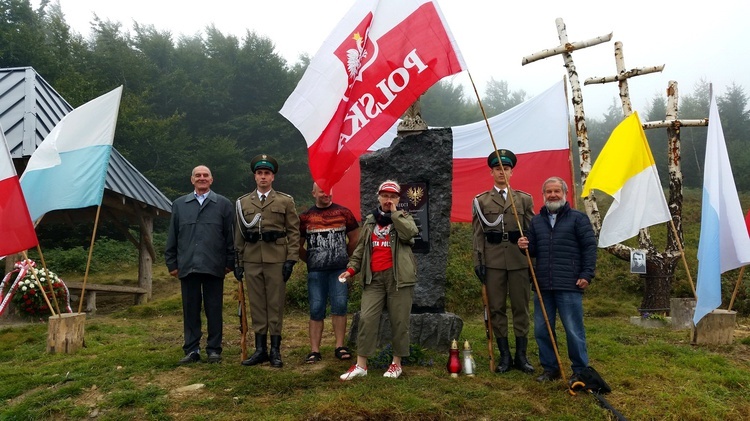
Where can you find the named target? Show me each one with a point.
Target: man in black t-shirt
(330, 232)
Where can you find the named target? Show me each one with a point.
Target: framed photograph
(638, 261)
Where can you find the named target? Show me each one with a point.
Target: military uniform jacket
(277, 214)
(506, 254)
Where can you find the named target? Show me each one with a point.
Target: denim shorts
(322, 286)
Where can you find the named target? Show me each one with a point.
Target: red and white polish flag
(16, 228)
(535, 130)
(378, 60)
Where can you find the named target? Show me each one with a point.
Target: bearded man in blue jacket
(564, 244)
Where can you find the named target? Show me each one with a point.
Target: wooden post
(715, 328)
(681, 310)
(145, 257)
(65, 333)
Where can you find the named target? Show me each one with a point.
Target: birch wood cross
(622, 77)
(566, 49)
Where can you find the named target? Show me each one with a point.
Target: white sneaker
(354, 371)
(393, 371)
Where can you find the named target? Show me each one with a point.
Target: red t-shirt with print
(382, 257)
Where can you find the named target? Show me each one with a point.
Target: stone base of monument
(428, 330)
(715, 328)
(682, 310)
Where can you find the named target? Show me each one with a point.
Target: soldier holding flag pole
(499, 264)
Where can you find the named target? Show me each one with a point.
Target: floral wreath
(25, 290)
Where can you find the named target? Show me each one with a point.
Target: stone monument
(425, 157)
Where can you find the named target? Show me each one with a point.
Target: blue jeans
(322, 285)
(569, 304)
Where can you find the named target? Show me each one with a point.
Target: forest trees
(212, 98)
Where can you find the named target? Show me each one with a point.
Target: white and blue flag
(68, 169)
(724, 243)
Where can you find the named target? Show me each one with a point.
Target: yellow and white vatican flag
(625, 170)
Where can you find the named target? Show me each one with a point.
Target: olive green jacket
(402, 239)
(279, 214)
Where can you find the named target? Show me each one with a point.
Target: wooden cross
(622, 77)
(674, 237)
(566, 48)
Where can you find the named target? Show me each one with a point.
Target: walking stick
(243, 320)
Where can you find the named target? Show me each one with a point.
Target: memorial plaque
(415, 200)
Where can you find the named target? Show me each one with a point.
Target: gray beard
(553, 207)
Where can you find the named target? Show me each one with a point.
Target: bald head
(201, 179)
(322, 198)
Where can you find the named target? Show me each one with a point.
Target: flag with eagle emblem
(380, 58)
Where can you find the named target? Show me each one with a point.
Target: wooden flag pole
(88, 261)
(682, 253)
(736, 288)
(46, 272)
(520, 228)
(39, 284)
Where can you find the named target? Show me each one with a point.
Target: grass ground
(128, 371)
(128, 368)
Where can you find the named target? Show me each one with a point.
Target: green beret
(506, 157)
(264, 161)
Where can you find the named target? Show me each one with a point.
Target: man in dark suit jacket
(266, 238)
(497, 260)
(200, 252)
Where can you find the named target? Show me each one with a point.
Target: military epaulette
(522, 192)
(482, 194)
(244, 196)
(284, 194)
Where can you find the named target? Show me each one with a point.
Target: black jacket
(199, 239)
(564, 253)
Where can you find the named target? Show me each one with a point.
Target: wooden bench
(91, 290)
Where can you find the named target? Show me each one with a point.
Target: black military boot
(261, 351)
(521, 362)
(276, 352)
(504, 366)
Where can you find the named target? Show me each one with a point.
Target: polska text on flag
(724, 243)
(377, 62)
(16, 227)
(68, 169)
(543, 151)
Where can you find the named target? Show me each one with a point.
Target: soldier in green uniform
(266, 239)
(499, 263)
